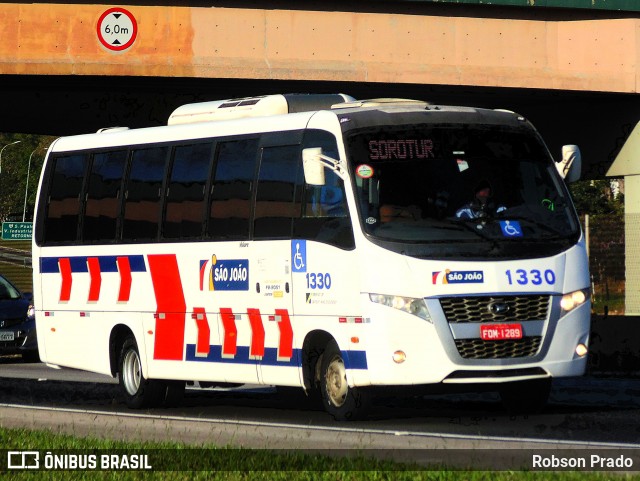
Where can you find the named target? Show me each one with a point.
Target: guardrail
(15, 256)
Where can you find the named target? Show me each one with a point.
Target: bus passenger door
(270, 317)
(270, 313)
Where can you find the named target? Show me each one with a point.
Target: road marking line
(561, 442)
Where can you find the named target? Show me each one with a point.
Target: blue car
(17, 322)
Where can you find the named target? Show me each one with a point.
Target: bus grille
(479, 349)
(483, 308)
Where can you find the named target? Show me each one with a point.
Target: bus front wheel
(138, 391)
(340, 400)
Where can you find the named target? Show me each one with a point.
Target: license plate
(6, 336)
(500, 332)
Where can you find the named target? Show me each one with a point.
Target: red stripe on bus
(167, 286)
(203, 271)
(204, 333)
(96, 279)
(124, 268)
(65, 273)
(256, 350)
(229, 342)
(285, 347)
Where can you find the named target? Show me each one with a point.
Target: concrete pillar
(627, 164)
(632, 244)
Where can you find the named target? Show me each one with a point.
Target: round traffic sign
(117, 29)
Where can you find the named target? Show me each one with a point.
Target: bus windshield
(460, 190)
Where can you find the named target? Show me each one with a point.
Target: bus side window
(185, 205)
(142, 194)
(275, 208)
(326, 200)
(232, 188)
(102, 208)
(324, 213)
(63, 211)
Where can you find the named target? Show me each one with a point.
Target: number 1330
(318, 280)
(533, 276)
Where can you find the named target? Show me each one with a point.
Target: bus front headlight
(412, 305)
(572, 300)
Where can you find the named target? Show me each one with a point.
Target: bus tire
(525, 397)
(138, 392)
(343, 402)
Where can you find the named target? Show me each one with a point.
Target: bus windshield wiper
(476, 226)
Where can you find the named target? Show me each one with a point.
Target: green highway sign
(17, 230)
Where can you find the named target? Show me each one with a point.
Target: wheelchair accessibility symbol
(299, 255)
(511, 228)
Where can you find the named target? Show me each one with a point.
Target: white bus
(313, 241)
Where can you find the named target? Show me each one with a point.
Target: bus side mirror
(570, 167)
(313, 166)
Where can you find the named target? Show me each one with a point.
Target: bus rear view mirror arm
(314, 162)
(570, 166)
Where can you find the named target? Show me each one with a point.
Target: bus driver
(482, 204)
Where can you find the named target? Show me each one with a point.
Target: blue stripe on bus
(352, 359)
(49, 265)
(355, 359)
(242, 356)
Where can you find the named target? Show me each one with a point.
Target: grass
(608, 293)
(20, 275)
(175, 461)
(615, 304)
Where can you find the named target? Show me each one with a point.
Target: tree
(596, 197)
(13, 176)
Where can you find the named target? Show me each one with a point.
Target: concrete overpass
(574, 70)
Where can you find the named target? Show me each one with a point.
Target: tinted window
(275, 206)
(460, 190)
(324, 212)
(184, 214)
(103, 196)
(142, 194)
(61, 223)
(232, 188)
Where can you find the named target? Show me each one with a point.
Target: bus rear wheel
(340, 400)
(138, 392)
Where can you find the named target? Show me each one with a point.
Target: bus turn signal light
(399, 357)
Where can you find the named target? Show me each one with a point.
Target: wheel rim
(131, 372)
(336, 381)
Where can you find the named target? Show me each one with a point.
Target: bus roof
(257, 114)
(116, 137)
